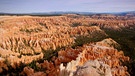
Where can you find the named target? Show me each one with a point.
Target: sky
(34, 6)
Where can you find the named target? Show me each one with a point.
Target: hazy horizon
(35, 6)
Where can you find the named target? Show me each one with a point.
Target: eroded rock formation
(93, 57)
(25, 39)
(106, 55)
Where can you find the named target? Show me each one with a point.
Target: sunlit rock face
(24, 39)
(93, 68)
(109, 43)
(91, 59)
(107, 57)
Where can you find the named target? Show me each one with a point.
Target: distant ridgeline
(130, 13)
